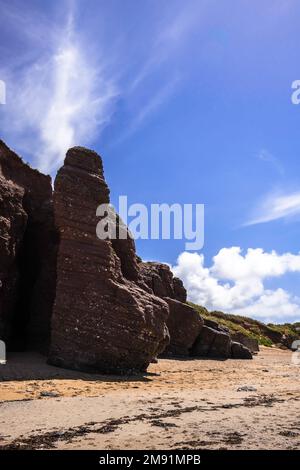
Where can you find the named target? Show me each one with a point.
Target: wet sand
(178, 404)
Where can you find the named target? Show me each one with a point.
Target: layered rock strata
(105, 309)
(102, 321)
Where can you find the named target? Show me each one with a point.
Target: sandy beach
(178, 404)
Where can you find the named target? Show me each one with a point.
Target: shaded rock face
(102, 321)
(112, 312)
(215, 325)
(221, 346)
(184, 325)
(13, 220)
(125, 250)
(238, 351)
(250, 343)
(27, 253)
(204, 342)
(190, 334)
(217, 344)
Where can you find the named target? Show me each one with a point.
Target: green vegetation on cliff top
(266, 334)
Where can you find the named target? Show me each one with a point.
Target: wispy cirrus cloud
(275, 207)
(60, 99)
(173, 34)
(62, 93)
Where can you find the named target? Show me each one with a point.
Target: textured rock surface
(13, 220)
(250, 343)
(238, 351)
(159, 278)
(101, 320)
(184, 322)
(125, 250)
(213, 343)
(215, 325)
(221, 346)
(184, 325)
(27, 252)
(112, 312)
(190, 334)
(204, 342)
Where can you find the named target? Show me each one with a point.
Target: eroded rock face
(250, 343)
(204, 342)
(215, 343)
(221, 346)
(113, 313)
(238, 351)
(102, 321)
(183, 322)
(215, 325)
(184, 325)
(27, 253)
(190, 334)
(159, 278)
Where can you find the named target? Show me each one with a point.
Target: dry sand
(179, 404)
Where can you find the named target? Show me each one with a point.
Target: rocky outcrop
(212, 343)
(27, 253)
(102, 321)
(238, 351)
(13, 220)
(215, 325)
(107, 311)
(216, 343)
(250, 343)
(124, 247)
(204, 342)
(160, 280)
(221, 347)
(184, 325)
(190, 334)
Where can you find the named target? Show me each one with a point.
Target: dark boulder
(13, 221)
(184, 325)
(204, 342)
(250, 343)
(221, 346)
(212, 343)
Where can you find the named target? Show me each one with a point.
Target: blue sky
(187, 102)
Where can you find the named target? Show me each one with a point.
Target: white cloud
(275, 207)
(59, 100)
(234, 283)
(63, 89)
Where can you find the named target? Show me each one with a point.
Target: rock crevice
(105, 309)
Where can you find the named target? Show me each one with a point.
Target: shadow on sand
(21, 366)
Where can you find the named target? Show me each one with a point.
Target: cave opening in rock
(36, 264)
(29, 267)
